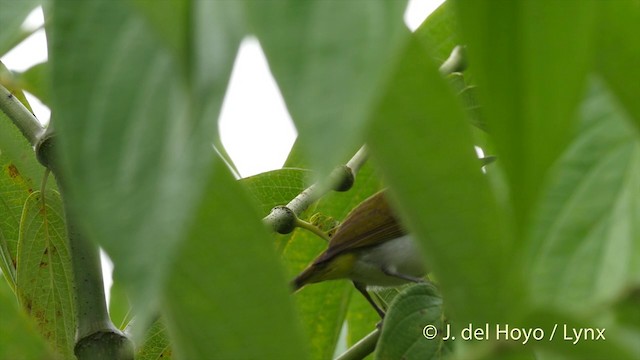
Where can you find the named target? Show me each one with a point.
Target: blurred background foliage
(546, 235)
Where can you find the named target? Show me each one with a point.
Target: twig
(22, 118)
(362, 348)
(283, 219)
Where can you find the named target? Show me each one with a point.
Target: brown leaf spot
(13, 171)
(43, 264)
(28, 305)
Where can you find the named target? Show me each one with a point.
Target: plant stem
(283, 219)
(96, 337)
(456, 62)
(362, 348)
(22, 118)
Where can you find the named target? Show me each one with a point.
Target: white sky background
(255, 127)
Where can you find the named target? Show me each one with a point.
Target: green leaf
(583, 249)
(276, 187)
(156, 344)
(227, 283)
(37, 81)
(617, 57)
(411, 311)
(439, 33)
(423, 145)
(627, 309)
(359, 319)
(329, 59)
(617, 343)
(119, 306)
(170, 20)
(323, 307)
(530, 79)
(44, 275)
(19, 339)
(12, 16)
(135, 131)
(20, 174)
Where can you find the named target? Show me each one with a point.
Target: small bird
(370, 248)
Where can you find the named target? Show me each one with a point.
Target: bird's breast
(400, 255)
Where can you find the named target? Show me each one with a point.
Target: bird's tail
(305, 277)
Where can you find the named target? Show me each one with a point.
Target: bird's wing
(370, 223)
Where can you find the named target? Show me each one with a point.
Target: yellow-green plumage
(370, 247)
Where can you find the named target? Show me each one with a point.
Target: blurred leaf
(37, 81)
(360, 319)
(584, 249)
(627, 309)
(423, 144)
(530, 79)
(329, 59)
(323, 307)
(156, 344)
(402, 333)
(134, 132)
(12, 16)
(467, 94)
(561, 346)
(296, 158)
(8, 80)
(44, 275)
(617, 54)
(215, 296)
(119, 306)
(274, 188)
(170, 20)
(439, 32)
(19, 339)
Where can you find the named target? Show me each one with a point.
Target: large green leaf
(276, 187)
(227, 284)
(560, 342)
(20, 174)
(439, 33)
(322, 307)
(44, 275)
(360, 317)
(584, 247)
(19, 338)
(36, 80)
(530, 79)
(403, 334)
(329, 59)
(135, 131)
(424, 147)
(156, 344)
(617, 57)
(12, 16)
